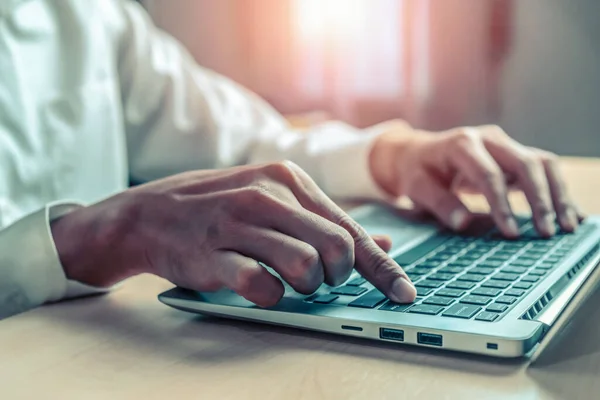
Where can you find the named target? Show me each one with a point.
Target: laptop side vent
(547, 297)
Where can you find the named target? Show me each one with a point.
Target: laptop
(476, 292)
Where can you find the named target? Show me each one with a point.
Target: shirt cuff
(346, 172)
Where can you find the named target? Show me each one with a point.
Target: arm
(182, 117)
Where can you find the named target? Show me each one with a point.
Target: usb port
(391, 334)
(429, 339)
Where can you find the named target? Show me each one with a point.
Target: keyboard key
(460, 263)
(471, 278)
(421, 250)
(524, 262)
(391, 306)
(427, 265)
(514, 292)
(430, 284)
(370, 300)
(505, 300)
(451, 270)
(486, 316)
(413, 277)
(453, 249)
(491, 264)
(418, 271)
(496, 307)
(439, 257)
(438, 301)
(545, 266)
(522, 285)
(460, 285)
(325, 298)
(477, 300)
(537, 272)
(493, 283)
(425, 309)
(553, 259)
(501, 276)
(489, 292)
(526, 256)
(356, 282)
(455, 293)
(499, 257)
(514, 270)
(422, 292)
(349, 290)
(441, 277)
(481, 270)
(472, 257)
(530, 278)
(536, 254)
(465, 311)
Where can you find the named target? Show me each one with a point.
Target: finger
(472, 160)
(383, 241)
(297, 262)
(334, 245)
(516, 159)
(565, 210)
(370, 260)
(247, 278)
(439, 201)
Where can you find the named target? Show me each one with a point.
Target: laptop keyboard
(465, 277)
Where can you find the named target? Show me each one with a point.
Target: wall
(551, 89)
(549, 92)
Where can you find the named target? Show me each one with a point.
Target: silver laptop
(477, 292)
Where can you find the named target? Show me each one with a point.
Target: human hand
(431, 168)
(207, 230)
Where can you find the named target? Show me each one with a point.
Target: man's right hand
(207, 230)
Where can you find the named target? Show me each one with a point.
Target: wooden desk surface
(129, 346)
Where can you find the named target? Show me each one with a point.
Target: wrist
(87, 246)
(391, 155)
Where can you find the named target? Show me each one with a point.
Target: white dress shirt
(91, 94)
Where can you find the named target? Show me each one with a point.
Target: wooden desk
(129, 346)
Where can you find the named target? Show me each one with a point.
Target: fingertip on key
(403, 291)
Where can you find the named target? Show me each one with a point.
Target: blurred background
(531, 66)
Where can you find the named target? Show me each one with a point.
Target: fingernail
(403, 291)
(458, 218)
(512, 227)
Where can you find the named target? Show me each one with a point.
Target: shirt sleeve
(180, 116)
(30, 270)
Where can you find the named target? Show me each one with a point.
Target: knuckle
(464, 139)
(491, 176)
(340, 245)
(466, 134)
(243, 280)
(284, 171)
(495, 130)
(350, 225)
(528, 163)
(548, 157)
(543, 208)
(306, 261)
(503, 213)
